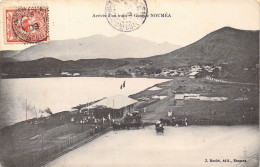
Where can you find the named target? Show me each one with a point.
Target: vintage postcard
(129, 83)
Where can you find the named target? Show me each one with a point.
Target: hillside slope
(237, 49)
(230, 45)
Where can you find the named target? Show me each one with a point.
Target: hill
(42, 66)
(7, 55)
(221, 46)
(236, 50)
(96, 46)
(239, 49)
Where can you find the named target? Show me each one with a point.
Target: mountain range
(96, 46)
(238, 49)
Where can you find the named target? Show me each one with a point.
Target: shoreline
(148, 77)
(132, 95)
(32, 119)
(58, 129)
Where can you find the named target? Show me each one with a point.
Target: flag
(124, 84)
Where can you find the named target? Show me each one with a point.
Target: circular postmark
(126, 15)
(30, 24)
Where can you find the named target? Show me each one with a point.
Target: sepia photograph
(129, 83)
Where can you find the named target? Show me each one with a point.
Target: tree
(121, 72)
(158, 71)
(215, 73)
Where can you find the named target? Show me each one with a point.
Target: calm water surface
(59, 94)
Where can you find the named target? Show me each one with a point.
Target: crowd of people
(173, 120)
(131, 120)
(88, 118)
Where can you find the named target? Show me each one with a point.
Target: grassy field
(228, 112)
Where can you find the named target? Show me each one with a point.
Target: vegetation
(236, 50)
(241, 107)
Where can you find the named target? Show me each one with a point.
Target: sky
(190, 19)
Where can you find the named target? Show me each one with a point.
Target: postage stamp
(26, 25)
(126, 15)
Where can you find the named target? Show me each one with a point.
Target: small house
(164, 73)
(181, 74)
(76, 74)
(47, 74)
(193, 75)
(179, 98)
(64, 73)
(195, 68)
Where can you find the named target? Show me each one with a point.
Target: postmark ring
(126, 15)
(30, 25)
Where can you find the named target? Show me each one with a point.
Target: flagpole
(113, 109)
(26, 108)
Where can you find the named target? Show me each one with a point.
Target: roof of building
(191, 95)
(155, 88)
(179, 96)
(114, 102)
(193, 73)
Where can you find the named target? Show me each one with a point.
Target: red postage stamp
(26, 25)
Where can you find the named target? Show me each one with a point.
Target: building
(193, 75)
(181, 74)
(66, 74)
(179, 99)
(116, 106)
(47, 74)
(188, 96)
(195, 68)
(76, 74)
(164, 73)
